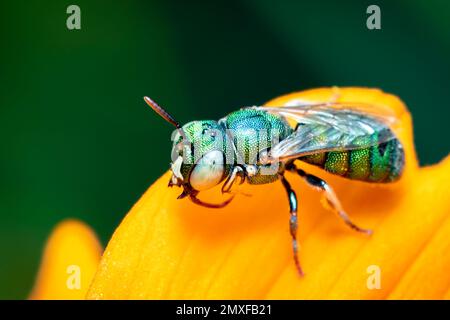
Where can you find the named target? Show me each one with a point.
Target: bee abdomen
(380, 163)
(386, 161)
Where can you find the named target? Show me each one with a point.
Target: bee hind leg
(330, 197)
(293, 221)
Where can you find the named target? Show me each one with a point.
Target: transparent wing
(332, 127)
(299, 110)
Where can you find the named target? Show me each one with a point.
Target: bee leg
(194, 199)
(331, 198)
(293, 223)
(236, 178)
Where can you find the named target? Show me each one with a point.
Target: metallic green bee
(257, 145)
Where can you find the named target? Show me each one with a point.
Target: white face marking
(176, 168)
(208, 172)
(177, 136)
(251, 170)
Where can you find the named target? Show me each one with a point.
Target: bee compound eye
(208, 171)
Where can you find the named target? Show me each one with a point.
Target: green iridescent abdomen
(379, 163)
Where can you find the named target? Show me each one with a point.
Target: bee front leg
(194, 199)
(293, 221)
(236, 178)
(330, 197)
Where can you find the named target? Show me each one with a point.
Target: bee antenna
(163, 113)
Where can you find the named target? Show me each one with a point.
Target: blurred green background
(78, 140)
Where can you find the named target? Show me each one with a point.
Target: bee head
(199, 155)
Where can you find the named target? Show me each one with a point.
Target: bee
(257, 145)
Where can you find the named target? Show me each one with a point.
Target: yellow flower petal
(447, 294)
(173, 249)
(71, 257)
(428, 277)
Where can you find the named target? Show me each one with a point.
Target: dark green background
(78, 141)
